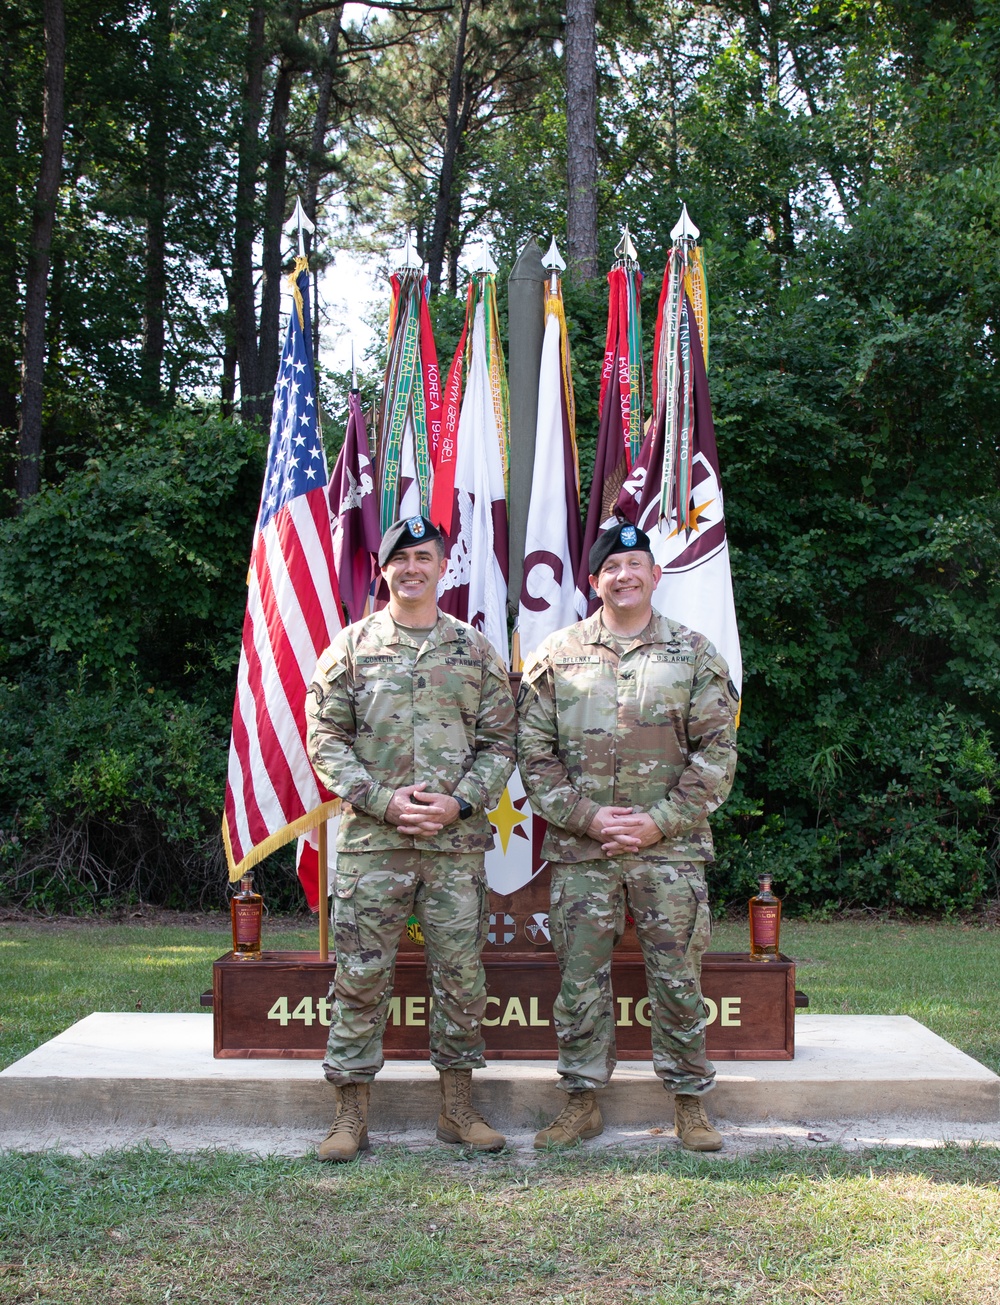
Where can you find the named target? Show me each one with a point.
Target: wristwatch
(464, 808)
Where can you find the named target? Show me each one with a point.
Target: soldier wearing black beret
(410, 720)
(626, 743)
(406, 533)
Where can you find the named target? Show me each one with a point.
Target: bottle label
(247, 920)
(765, 926)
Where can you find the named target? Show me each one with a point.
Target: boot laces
(349, 1117)
(692, 1110)
(575, 1108)
(462, 1110)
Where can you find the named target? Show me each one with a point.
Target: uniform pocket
(345, 915)
(345, 884)
(701, 929)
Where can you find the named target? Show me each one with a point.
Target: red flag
(443, 496)
(293, 612)
(620, 423)
(354, 509)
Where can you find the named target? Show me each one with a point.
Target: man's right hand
(621, 844)
(412, 817)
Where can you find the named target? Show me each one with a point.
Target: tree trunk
(274, 217)
(9, 371)
(321, 122)
(581, 138)
(227, 388)
(243, 291)
(317, 152)
(36, 283)
(443, 206)
(157, 137)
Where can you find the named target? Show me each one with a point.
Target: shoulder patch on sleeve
(718, 665)
(331, 664)
(534, 668)
(496, 667)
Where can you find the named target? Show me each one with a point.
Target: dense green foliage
(122, 590)
(841, 161)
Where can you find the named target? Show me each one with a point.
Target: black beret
(622, 537)
(405, 534)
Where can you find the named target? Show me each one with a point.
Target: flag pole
(324, 908)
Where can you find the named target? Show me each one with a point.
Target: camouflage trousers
(374, 895)
(669, 903)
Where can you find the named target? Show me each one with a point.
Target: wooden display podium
(278, 1006)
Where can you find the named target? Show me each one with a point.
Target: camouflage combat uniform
(647, 722)
(385, 711)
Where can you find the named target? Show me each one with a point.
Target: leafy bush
(122, 592)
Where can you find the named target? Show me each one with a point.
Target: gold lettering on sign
(414, 1012)
(491, 1024)
(514, 1014)
(533, 1018)
(415, 1007)
(731, 1012)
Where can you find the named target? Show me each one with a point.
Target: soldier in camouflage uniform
(626, 742)
(410, 720)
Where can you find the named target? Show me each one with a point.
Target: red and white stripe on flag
(293, 612)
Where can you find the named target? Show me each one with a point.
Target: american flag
(293, 612)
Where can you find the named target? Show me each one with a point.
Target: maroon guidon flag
(354, 509)
(674, 491)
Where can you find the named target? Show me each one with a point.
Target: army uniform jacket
(653, 729)
(383, 712)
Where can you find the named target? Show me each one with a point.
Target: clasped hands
(418, 813)
(622, 831)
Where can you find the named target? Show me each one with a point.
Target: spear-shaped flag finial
(625, 250)
(685, 228)
(407, 257)
(555, 262)
(300, 223)
(482, 260)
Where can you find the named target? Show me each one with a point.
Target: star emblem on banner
(507, 817)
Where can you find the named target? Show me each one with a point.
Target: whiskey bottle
(247, 909)
(765, 923)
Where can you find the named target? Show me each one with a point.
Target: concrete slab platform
(148, 1073)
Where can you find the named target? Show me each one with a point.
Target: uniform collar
(595, 631)
(382, 628)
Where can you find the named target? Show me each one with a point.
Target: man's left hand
(427, 813)
(630, 833)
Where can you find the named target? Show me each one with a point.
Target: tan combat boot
(691, 1125)
(579, 1118)
(349, 1133)
(458, 1121)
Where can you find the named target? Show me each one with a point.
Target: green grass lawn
(139, 1227)
(595, 1227)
